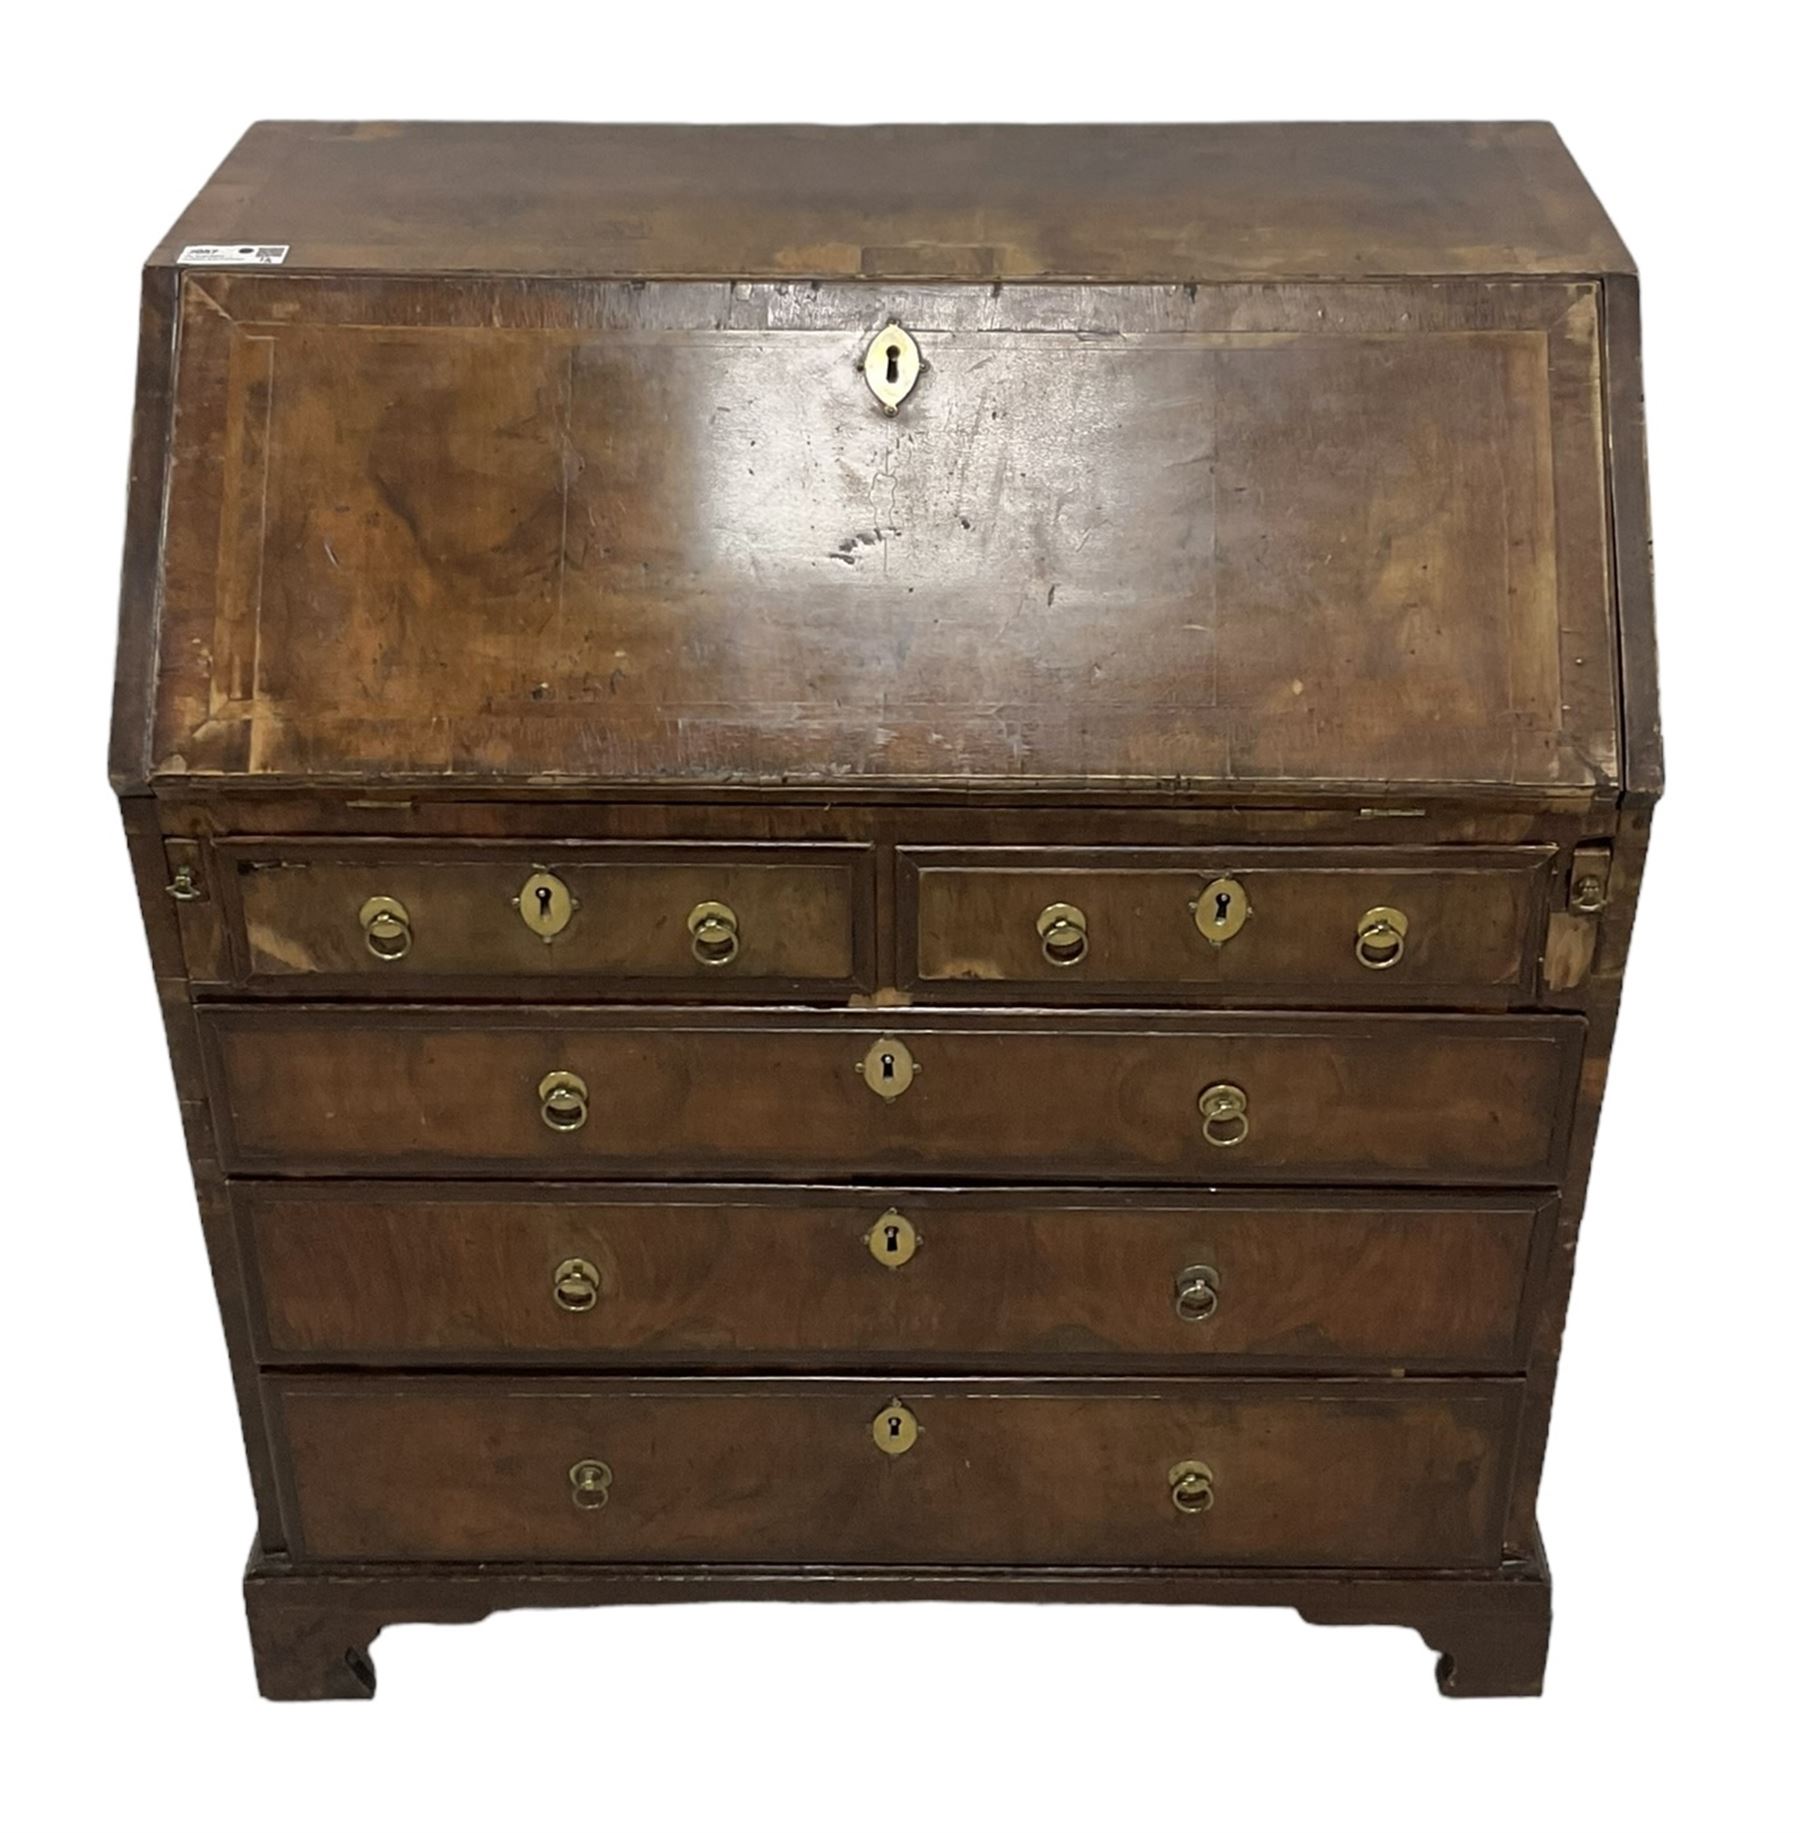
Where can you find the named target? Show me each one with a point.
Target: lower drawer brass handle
(1196, 1293)
(575, 1285)
(563, 1101)
(1191, 1486)
(714, 928)
(1224, 1119)
(1381, 937)
(387, 929)
(589, 1483)
(1062, 929)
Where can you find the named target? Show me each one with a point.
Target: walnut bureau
(890, 862)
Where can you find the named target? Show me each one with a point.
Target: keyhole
(893, 1424)
(893, 362)
(887, 1069)
(893, 1239)
(543, 898)
(1222, 907)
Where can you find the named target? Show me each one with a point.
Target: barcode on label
(233, 254)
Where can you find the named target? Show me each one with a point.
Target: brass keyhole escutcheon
(888, 1068)
(895, 1429)
(1191, 1486)
(575, 1285)
(1196, 1293)
(590, 1483)
(1224, 1114)
(563, 1101)
(1381, 937)
(545, 904)
(387, 928)
(714, 929)
(1063, 931)
(891, 367)
(893, 1240)
(1221, 910)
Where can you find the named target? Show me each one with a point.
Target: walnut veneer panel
(788, 1471)
(691, 1276)
(1482, 1100)
(516, 529)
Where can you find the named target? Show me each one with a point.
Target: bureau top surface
(1128, 203)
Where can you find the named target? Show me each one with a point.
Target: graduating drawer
(1326, 926)
(736, 1276)
(370, 916)
(672, 1091)
(1177, 1473)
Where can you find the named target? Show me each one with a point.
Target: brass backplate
(895, 1429)
(1221, 910)
(546, 905)
(888, 1068)
(893, 1240)
(891, 366)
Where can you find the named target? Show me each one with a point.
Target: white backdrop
(1667, 1504)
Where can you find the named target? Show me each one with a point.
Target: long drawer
(1326, 926)
(534, 1090)
(1181, 1473)
(741, 1277)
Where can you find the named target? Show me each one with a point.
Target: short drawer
(1178, 1473)
(742, 1277)
(370, 916)
(1075, 1096)
(1333, 927)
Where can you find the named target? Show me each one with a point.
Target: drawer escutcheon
(546, 905)
(895, 1429)
(1221, 910)
(888, 1068)
(893, 1240)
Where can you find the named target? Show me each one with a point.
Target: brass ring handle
(1196, 1293)
(387, 928)
(714, 928)
(1381, 937)
(590, 1482)
(1062, 929)
(563, 1101)
(1224, 1115)
(1587, 896)
(575, 1285)
(1191, 1486)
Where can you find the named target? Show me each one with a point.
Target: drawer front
(1339, 926)
(909, 1278)
(372, 916)
(1348, 1474)
(1082, 1095)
